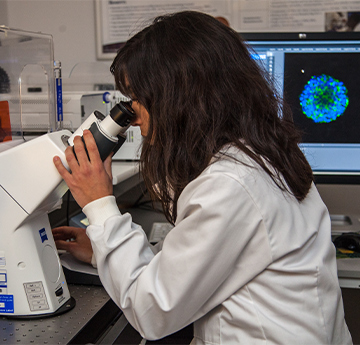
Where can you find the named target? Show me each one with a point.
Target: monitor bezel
(300, 36)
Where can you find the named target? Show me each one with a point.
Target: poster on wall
(118, 20)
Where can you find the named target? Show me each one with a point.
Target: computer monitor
(318, 75)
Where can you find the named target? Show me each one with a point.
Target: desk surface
(348, 268)
(58, 329)
(123, 170)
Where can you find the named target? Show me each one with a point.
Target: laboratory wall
(3, 12)
(70, 22)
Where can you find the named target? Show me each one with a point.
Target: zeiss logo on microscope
(43, 235)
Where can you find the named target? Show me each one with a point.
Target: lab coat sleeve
(99, 210)
(160, 294)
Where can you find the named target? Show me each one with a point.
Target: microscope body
(32, 281)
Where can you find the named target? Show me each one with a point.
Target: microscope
(32, 282)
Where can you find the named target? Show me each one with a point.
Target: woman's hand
(75, 241)
(90, 178)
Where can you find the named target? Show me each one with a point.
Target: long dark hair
(196, 78)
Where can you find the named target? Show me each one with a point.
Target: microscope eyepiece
(109, 131)
(122, 113)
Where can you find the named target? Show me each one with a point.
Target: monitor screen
(318, 75)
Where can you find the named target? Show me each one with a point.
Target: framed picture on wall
(118, 20)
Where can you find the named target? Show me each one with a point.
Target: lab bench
(90, 321)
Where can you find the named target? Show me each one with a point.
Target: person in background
(250, 258)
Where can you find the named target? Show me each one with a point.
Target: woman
(250, 259)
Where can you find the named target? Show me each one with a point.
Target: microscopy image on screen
(324, 99)
(323, 90)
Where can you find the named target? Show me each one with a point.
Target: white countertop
(123, 170)
(348, 268)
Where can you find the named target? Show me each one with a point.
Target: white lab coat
(246, 262)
